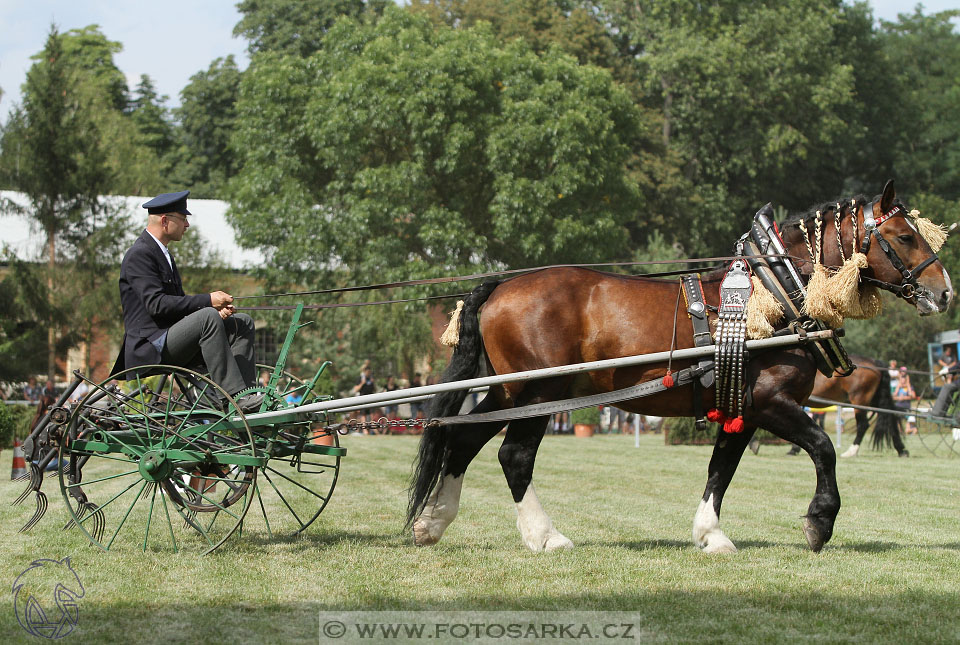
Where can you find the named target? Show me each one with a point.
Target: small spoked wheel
(295, 486)
(156, 462)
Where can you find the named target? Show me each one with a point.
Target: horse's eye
(906, 238)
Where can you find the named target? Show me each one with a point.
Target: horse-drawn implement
(164, 452)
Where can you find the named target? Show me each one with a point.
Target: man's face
(175, 225)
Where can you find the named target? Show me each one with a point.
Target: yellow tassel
(871, 304)
(843, 287)
(934, 234)
(763, 311)
(817, 303)
(451, 335)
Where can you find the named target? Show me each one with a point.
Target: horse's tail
(887, 425)
(464, 364)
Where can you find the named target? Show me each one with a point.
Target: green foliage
(295, 27)
(207, 117)
(586, 416)
(750, 101)
(14, 422)
(400, 150)
(924, 54)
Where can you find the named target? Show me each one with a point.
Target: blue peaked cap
(168, 203)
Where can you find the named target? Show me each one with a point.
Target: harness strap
(649, 388)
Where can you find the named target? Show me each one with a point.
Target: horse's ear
(889, 194)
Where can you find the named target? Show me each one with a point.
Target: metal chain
(382, 423)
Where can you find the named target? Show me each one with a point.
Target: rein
(477, 276)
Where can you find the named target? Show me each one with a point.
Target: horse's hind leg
(444, 502)
(517, 456)
(862, 424)
(727, 452)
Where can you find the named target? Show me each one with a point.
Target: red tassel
(668, 380)
(733, 425)
(716, 416)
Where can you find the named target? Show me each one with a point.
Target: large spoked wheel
(156, 462)
(940, 437)
(296, 484)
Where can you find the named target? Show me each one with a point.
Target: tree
(54, 151)
(207, 118)
(152, 119)
(401, 150)
(924, 56)
(296, 27)
(756, 98)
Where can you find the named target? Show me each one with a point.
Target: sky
(171, 40)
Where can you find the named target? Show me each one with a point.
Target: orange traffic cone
(19, 463)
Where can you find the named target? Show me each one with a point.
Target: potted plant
(585, 421)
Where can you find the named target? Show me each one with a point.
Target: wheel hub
(154, 466)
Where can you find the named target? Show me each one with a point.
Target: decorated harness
(763, 288)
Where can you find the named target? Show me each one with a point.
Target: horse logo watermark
(45, 598)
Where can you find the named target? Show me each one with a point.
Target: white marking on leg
(706, 530)
(851, 451)
(440, 511)
(535, 526)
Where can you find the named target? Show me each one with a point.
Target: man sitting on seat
(164, 325)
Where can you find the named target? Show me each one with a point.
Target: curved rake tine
(81, 511)
(36, 478)
(98, 521)
(41, 509)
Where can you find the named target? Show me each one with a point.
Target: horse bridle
(907, 289)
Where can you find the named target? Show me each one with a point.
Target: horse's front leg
(788, 421)
(517, 456)
(727, 452)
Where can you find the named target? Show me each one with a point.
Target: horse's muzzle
(930, 302)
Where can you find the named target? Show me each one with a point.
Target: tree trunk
(51, 330)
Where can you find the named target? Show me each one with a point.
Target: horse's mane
(790, 227)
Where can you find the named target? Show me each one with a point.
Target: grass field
(890, 574)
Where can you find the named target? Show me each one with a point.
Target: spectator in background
(391, 386)
(416, 407)
(903, 398)
(49, 390)
(894, 374)
(32, 391)
(947, 363)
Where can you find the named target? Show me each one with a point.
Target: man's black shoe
(250, 402)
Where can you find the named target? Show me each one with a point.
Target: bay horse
(564, 315)
(868, 385)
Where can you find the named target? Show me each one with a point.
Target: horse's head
(900, 259)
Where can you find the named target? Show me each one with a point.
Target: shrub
(682, 430)
(14, 421)
(586, 416)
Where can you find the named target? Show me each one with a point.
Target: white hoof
(556, 542)
(706, 530)
(535, 526)
(851, 451)
(440, 511)
(719, 543)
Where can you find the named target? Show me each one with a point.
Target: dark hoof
(792, 453)
(814, 538)
(904, 453)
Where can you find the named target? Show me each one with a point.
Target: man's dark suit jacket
(152, 297)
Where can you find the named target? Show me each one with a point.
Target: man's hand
(227, 311)
(220, 299)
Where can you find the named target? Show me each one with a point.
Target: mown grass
(890, 574)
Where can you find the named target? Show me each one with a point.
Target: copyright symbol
(334, 629)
